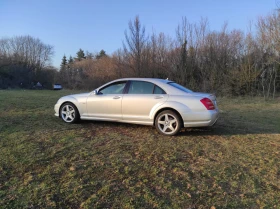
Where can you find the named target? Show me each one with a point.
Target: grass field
(45, 163)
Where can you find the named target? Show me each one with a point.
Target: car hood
(79, 95)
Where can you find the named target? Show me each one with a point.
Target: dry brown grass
(46, 163)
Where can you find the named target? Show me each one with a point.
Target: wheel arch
(167, 108)
(70, 103)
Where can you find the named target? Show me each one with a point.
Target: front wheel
(168, 123)
(69, 113)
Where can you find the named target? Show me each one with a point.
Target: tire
(69, 113)
(168, 123)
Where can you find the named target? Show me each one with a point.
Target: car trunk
(210, 96)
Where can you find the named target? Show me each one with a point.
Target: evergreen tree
(63, 62)
(102, 53)
(70, 60)
(63, 71)
(89, 55)
(80, 55)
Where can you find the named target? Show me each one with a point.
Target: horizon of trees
(225, 62)
(24, 61)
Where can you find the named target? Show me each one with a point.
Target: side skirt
(149, 123)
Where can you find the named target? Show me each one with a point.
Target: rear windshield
(182, 88)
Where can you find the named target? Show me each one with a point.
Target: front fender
(72, 100)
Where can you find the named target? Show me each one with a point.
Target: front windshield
(182, 88)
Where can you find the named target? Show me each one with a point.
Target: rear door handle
(116, 97)
(158, 97)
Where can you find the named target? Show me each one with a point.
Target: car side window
(140, 87)
(114, 88)
(158, 90)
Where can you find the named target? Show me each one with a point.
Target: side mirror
(95, 92)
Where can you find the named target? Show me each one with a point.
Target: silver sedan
(146, 101)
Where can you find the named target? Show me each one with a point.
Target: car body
(146, 101)
(57, 86)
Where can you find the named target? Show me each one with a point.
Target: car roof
(154, 80)
(159, 82)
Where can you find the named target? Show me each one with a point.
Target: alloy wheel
(68, 113)
(167, 124)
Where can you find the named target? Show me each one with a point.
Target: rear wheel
(168, 123)
(69, 113)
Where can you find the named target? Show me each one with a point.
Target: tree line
(225, 62)
(25, 60)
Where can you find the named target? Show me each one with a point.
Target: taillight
(208, 103)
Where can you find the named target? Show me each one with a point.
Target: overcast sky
(95, 25)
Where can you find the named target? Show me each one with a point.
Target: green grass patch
(46, 163)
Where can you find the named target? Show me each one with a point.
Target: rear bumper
(207, 118)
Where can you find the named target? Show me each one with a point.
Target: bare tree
(134, 47)
(228, 62)
(268, 29)
(27, 50)
(24, 59)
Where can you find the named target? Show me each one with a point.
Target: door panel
(137, 107)
(105, 106)
(141, 97)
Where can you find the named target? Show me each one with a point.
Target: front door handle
(116, 97)
(158, 97)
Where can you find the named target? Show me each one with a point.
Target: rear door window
(140, 87)
(158, 90)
